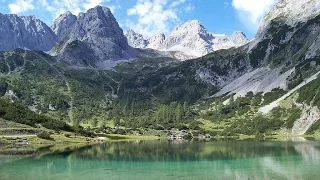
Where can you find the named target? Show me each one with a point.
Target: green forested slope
(163, 93)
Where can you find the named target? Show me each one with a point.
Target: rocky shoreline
(176, 134)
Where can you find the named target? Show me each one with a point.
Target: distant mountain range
(95, 37)
(233, 86)
(191, 38)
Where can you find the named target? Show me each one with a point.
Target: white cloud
(87, 4)
(189, 8)
(156, 16)
(113, 8)
(252, 11)
(57, 7)
(21, 6)
(226, 4)
(177, 3)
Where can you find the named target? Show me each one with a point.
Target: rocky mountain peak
(193, 24)
(238, 34)
(131, 32)
(191, 39)
(135, 39)
(96, 34)
(62, 24)
(293, 11)
(34, 24)
(290, 12)
(25, 32)
(238, 37)
(157, 41)
(101, 13)
(101, 10)
(98, 21)
(193, 27)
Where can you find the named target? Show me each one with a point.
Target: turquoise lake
(169, 160)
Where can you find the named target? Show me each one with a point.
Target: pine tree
(178, 113)
(186, 110)
(95, 122)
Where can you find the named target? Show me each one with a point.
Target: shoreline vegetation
(22, 128)
(267, 91)
(29, 146)
(25, 145)
(24, 140)
(204, 120)
(20, 135)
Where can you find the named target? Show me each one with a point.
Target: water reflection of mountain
(187, 151)
(309, 151)
(284, 167)
(165, 160)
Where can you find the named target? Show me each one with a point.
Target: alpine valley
(84, 70)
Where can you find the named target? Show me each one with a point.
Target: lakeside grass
(60, 143)
(67, 138)
(11, 131)
(317, 136)
(60, 139)
(115, 137)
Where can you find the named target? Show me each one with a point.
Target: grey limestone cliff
(26, 32)
(94, 37)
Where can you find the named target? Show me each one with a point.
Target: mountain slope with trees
(162, 93)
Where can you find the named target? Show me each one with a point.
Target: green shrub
(68, 135)
(195, 125)
(120, 131)
(188, 136)
(273, 95)
(295, 114)
(18, 113)
(3, 87)
(314, 127)
(44, 135)
(181, 126)
(259, 135)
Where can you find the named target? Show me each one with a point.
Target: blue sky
(152, 16)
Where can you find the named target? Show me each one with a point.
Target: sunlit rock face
(91, 38)
(27, 32)
(136, 40)
(290, 12)
(62, 24)
(190, 38)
